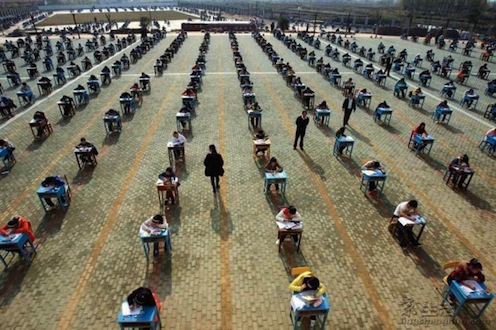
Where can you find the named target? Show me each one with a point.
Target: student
(6, 106)
(420, 131)
(154, 226)
(260, 135)
(273, 167)
(307, 281)
(465, 271)
(6, 144)
(373, 165)
(178, 140)
(53, 182)
(84, 97)
(406, 210)
(18, 225)
(382, 105)
(42, 121)
(439, 110)
(28, 95)
(289, 214)
(141, 297)
(459, 175)
(214, 167)
(144, 80)
(110, 124)
(85, 144)
(68, 105)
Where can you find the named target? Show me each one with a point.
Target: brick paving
(224, 271)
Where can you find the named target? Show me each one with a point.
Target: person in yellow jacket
(307, 281)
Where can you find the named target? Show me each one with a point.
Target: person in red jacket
(18, 225)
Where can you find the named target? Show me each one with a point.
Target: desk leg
(168, 244)
(3, 261)
(266, 187)
(146, 248)
(458, 310)
(483, 309)
(42, 203)
(420, 233)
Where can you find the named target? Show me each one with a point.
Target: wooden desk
(85, 152)
(262, 144)
(455, 173)
(170, 150)
(47, 128)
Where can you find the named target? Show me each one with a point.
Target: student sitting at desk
(178, 140)
(420, 131)
(144, 80)
(27, 95)
(53, 182)
(471, 270)
(68, 105)
(468, 97)
(462, 75)
(75, 68)
(83, 97)
(448, 89)
(6, 106)
(117, 66)
(255, 120)
(379, 76)
(373, 165)
(340, 133)
(424, 77)
(348, 86)
(415, 95)
(127, 105)
(260, 135)
(457, 167)
(83, 144)
(382, 105)
(357, 64)
(86, 62)
(322, 106)
(60, 75)
(93, 83)
(106, 75)
(400, 88)
(42, 121)
(154, 226)
(6, 144)
(439, 109)
(46, 84)
(18, 225)
(169, 177)
(406, 210)
(141, 297)
(273, 167)
(110, 124)
(483, 72)
(33, 70)
(289, 214)
(136, 92)
(307, 281)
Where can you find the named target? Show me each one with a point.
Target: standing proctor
(301, 127)
(349, 105)
(214, 167)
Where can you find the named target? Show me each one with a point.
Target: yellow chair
(295, 272)
(448, 265)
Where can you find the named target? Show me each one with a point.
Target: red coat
(24, 227)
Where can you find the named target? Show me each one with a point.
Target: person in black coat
(349, 105)
(301, 127)
(214, 167)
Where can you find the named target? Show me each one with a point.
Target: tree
(283, 23)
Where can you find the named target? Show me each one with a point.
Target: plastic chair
(448, 265)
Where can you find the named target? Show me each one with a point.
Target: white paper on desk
(296, 302)
(288, 225)
(127, 311)
(476, 284)
(406, 222)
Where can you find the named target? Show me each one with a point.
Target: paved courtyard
(225, 271)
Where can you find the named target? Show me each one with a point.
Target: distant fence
(419, 32)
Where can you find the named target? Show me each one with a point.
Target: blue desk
(488, 145)
(57, 192)
(93, 86)
(444, 112)
(376, 176)
(425, 79)
(445, 90)
(380, 79)
(305, 313)
(112, 123)
(409, 73)
(322, 116)
(254, 115)
(419, 143)
(127, 103)
(29, 95)
(344, 142)
(474, 99)
(149, 318)
(386, 113)
(481, 297)
(16, 243)
(364, 98)
(418, 99)
(81, 96)
(335, 79)
(273, 178)
(147, 238)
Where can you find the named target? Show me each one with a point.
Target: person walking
(349, 105)
(301, 127)
(389, 64)
(214, 167)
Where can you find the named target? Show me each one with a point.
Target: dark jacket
(345, 104)
(301, 124)
(213, 165)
